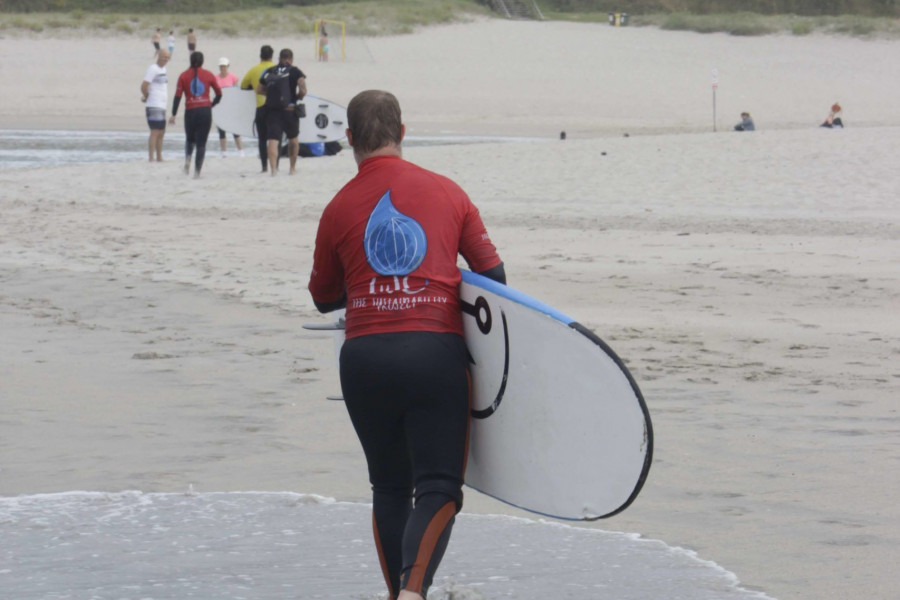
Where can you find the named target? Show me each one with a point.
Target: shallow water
(37, 148)
(130, 545)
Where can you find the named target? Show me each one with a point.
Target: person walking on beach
(225, 79)
(250, 82)
(746, 123)
(191, 40)
(403, 366)
(194, 84)
(283, 86)
(155, 40)
(171, 42)
(155, 95)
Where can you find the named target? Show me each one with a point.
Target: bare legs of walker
(272, 150)
(154, 145)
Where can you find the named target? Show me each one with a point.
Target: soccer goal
(325, 47)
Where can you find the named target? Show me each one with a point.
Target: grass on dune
(389, 17)
(374, 17)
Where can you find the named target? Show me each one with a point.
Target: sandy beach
(150, 323)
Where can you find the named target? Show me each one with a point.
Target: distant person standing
(155, 95)
(226, 80)
(283, 86)
(746, 123)
(155, 40)
(195, 84)
(191, 40)
(171, 42)
(250, 82)
(323, 44)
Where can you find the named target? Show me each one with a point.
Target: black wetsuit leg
(408, 398)
(201, 123)
(190, 134)
(261, 136)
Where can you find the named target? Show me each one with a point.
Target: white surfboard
(559, 426)
(325, 121)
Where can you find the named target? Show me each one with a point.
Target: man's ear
(349, 136)
(402, 131)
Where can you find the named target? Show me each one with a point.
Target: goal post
(319, 51)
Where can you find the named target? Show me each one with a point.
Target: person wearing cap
(226, 79)
(746, 123)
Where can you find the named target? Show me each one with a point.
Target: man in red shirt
(387, 249)
(195, 84)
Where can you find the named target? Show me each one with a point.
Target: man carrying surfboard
(386, 249)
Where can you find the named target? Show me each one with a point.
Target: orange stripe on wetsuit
(427, 545)
(385, 572)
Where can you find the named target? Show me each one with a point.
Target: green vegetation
(364, 17)
(811, 8)
(232, 18)
(755, 24)
(740, 17)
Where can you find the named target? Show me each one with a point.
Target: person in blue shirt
(746, 123)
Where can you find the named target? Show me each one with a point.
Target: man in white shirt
(155, 95)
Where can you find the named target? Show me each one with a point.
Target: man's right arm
(301, 88)
(145, 90)
(260, 83)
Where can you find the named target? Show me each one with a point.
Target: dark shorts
(192, 47)
(280, 122)
(156, 117)
(156, 45)
(223, 133)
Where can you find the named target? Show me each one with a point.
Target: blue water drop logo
(395, 243)
(197, 87)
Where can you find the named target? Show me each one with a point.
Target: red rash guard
(197, 95)
(409, 224)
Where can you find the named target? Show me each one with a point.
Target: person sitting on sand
(746, 123)
(834, 117)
